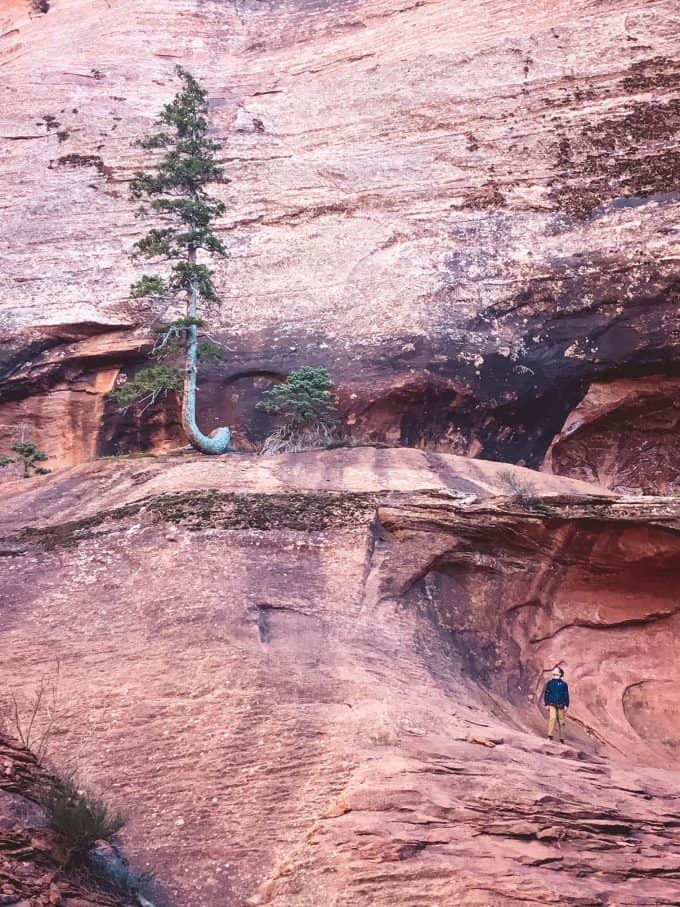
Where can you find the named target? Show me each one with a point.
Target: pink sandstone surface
(466, 211)
(314, 679)
(623, 434)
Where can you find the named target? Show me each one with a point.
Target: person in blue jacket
(556, 697)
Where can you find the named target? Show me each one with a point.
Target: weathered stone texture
(623, 434)
(466, 211)
(314, 679)
(32, 872)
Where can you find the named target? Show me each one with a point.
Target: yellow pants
(556, 715)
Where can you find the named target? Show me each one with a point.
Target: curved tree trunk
(219, 440)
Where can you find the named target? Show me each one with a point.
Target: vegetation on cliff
(177, 201)
(79, 818)
(305, 406)
(84, 826)
(27, 455)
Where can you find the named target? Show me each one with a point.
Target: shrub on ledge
(305, 406)
(28, 454)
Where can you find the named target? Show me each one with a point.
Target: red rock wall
(466, 214)
(591, 593)
(624, 434)
(313, 679)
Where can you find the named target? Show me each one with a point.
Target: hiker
(556, 697)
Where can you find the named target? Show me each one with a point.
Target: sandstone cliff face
(623, 434)
(315, 679)
(466, 212)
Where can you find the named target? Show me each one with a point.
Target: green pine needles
(79, 819)
(148, 385)
(27, 454)
(175, 195)
(305, 406)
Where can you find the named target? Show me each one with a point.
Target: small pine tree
(177, 198)
(305, 406)
(28, 454)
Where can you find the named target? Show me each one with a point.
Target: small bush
(79, 818)
(519, 487)
(524, 493)
(305, 406)
(28, 454)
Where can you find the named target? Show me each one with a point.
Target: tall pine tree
(177, 198)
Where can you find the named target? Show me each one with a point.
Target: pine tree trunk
(219, 440)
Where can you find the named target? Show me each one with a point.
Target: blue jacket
(556, 693)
